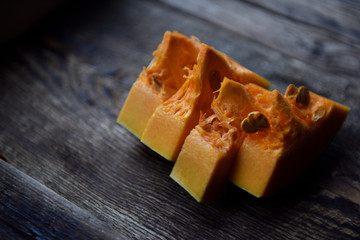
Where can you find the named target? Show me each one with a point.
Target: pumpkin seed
(247, 127)
(318, 114)
(157, 83)
(302, 96)
(254, 122)
(258, 120)
(291, 91)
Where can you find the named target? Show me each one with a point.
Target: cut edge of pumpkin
(205, 159)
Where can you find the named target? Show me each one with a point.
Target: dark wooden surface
(69, 171)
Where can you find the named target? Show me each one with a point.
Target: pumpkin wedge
(205, 159)
(173, 120)
(185, 107)
(301, 125)
(160, 80)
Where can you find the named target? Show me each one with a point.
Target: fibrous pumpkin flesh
(301, 126)
(173, 120)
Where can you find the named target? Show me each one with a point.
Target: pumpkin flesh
(160, 80)
(205, 159)
(269, 160)
(173, 120)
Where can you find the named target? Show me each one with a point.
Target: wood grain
(339, 17)
(30, 210)
(322, 47)
(62, 88)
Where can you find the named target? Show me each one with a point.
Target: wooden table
(69, 171)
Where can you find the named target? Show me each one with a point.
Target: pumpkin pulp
(173, 120)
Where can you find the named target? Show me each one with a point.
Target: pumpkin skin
(160, 80)
(269, 160)
(205, 159)
(173, 120)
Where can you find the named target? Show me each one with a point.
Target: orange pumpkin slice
(159, 81)
(205, 159)
(301, 125)
(278, 138)
(173, 120)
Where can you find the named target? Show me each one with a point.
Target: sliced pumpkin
(173, 120)
(184, 102)
(160, 80)
(205, 159)
(301, 125)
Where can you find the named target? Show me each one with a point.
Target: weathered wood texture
(30, 210)
(70, 171)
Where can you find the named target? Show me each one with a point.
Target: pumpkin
(277, 139)
(203, 165)
(173, 120)
(301, 125)
(195, 105)
(159, 81)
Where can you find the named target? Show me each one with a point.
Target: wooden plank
(58, 104)
(339, 17)
(318, 46)
(31, 210)
(79, 152)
